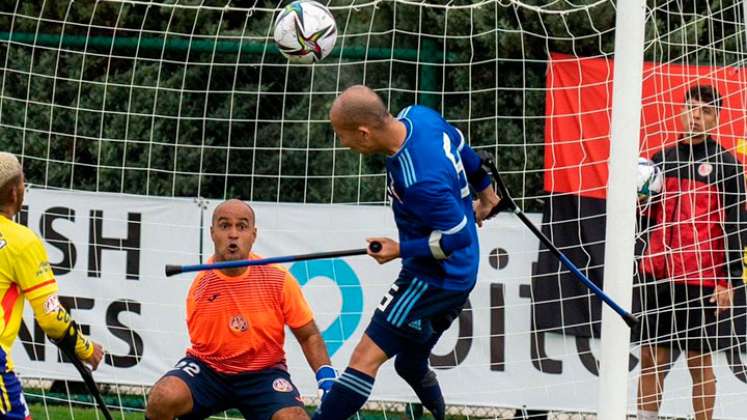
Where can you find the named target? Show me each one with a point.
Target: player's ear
(16, 192)
(364, 131)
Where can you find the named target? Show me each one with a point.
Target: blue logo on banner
(347, 281)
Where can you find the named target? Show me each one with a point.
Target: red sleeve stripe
(9, 300)
(38, 286)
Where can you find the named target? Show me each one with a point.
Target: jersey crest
(705, 169)
(238, 324)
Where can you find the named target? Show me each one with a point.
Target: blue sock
(429, 392)
(423, 381)
(348, 394)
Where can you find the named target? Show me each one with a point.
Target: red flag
(578, 109)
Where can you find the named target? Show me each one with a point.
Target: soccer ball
(305, 31)
(650, 178)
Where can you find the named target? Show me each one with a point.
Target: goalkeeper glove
(325, 377)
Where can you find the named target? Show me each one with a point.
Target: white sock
(648, 415)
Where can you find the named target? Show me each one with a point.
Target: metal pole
(621, 206)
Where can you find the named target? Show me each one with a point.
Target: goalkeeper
(430, 170)
(693, 256)
(25, 273)
(236, 320)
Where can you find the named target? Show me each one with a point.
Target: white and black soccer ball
(305, 31)
(650, 178)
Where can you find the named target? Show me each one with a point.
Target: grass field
(39, 411)
(78, 406)
(55, 412)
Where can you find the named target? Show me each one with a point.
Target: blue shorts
(257, 395)
(11, 398)
(414, 313)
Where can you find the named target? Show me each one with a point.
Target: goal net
(134, 119)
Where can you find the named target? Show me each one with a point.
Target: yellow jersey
(24, 273)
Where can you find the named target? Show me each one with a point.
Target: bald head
(235, 208)
(233, 233)
(357, 106)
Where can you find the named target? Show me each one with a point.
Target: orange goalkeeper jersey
(237, 324)
(24, 272)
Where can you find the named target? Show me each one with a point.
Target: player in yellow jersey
(25, 274)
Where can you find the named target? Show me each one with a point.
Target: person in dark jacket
(692, 255)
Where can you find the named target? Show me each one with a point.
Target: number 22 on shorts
(190, 368)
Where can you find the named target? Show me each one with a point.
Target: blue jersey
(432, 202)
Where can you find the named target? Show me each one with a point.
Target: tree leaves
(178, 101)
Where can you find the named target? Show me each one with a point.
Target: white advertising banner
(109, 253)
(116, 247)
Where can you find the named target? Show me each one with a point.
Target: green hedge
(122, 107)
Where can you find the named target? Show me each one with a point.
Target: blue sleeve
(444, 214)
(478, 178)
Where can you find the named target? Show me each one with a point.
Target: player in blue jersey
(431, 172)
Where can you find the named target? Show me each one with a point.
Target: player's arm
(58, 325)
(36, 280)
(440, 211)
(478, 178)
(315, 351)
(733, 197)
(300, 319)
(312, 344)
(734, 202)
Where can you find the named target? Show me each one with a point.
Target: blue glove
(325, 377)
